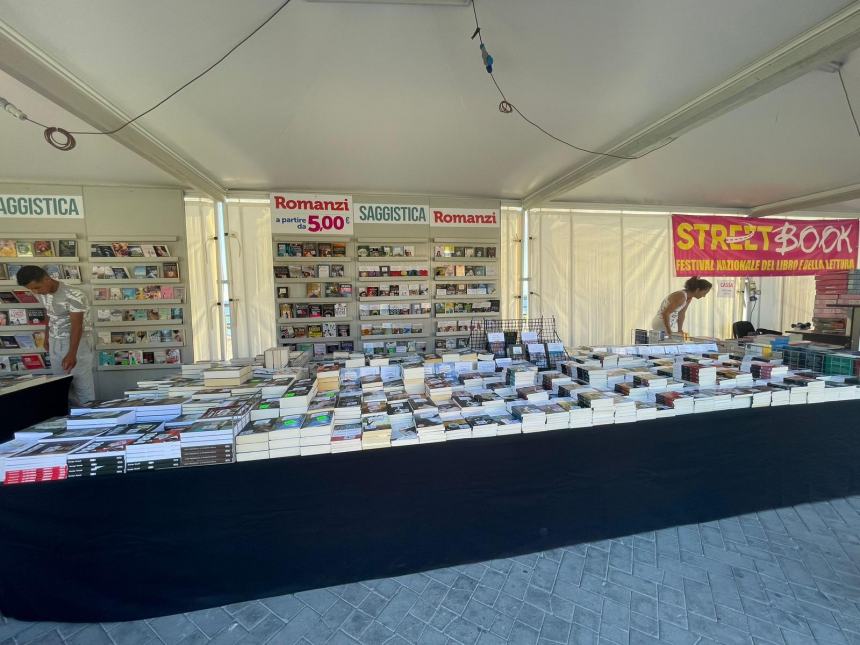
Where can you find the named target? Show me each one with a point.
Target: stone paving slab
(782, 577)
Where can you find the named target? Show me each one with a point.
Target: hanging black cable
(506, 107)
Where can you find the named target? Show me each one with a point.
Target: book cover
(43, 248)
(24, 297)
(7, 249)
(67, 248)
(24, 249)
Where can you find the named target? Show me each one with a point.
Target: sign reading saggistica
(42, 206)
(391, 214)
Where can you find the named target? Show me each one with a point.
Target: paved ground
(789, 576)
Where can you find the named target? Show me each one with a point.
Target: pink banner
(741, 246)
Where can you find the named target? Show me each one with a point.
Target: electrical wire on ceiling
(848, 99)
(506, 107)
(63, 139)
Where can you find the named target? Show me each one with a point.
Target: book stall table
(149, 544)
(25, 406)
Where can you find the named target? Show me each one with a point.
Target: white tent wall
(601, 275)
(784, 301)
(511, 263)
(201, 231)
(252, 283)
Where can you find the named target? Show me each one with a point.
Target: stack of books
(100, 419)
(98, 457)
(298, 397)
(398, 410)
(315, 433)
(346, 437)
(207, 442)
(348, 408)
(422, 406)
(779, 394)
(649, 380)
(437, 388)
(507, 424)
(431, 428)
(375, 431)
(457, 428)
(518, 376)
(704, 375)
(646, 411)
(579, 417)
(40, 462)
(533, 393)
(10, 448)
(483, 425)
(324, 402)
(491, 402)
(155, 450)
(371, 383)
(413, 379)
(327, 377)
(593, 375)
(624, 409)
(267, 409)
(703, 401)
(285, 436)
(531, 417)
(677, 401)
(226, 377)
(160, 409)
(557, 416)
(252, 443)
(403, 432)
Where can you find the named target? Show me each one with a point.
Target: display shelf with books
(63, 248)
(138, 316)
(465, 288)
(140, 338)
(314, 292)
(385, 330)
(138, 299)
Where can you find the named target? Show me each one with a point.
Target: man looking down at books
(69, 339)
(674, 306)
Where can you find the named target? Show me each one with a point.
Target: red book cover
(24, 296)
(33, 361)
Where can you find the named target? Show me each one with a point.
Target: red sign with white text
(740, 246)
(309, 214)
(468, 217)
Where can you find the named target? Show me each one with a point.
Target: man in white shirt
(70, 327)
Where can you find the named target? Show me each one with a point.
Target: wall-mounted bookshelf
(393, 291)
(314, 292)
(138, 299)
(465, 288)
(23, 330)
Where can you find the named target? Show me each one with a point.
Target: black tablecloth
(147, 544)
(23, 408)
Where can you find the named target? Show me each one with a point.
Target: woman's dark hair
(28, 274)
(697, 284)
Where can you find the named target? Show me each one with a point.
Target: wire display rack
(512, 328)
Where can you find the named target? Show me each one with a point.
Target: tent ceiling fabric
(26, 158)
(796, 140)
(393, 98)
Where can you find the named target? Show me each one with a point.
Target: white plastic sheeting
(252, 285)
(785, 301)
(202, 280)
(511, 263)
(602, 275)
